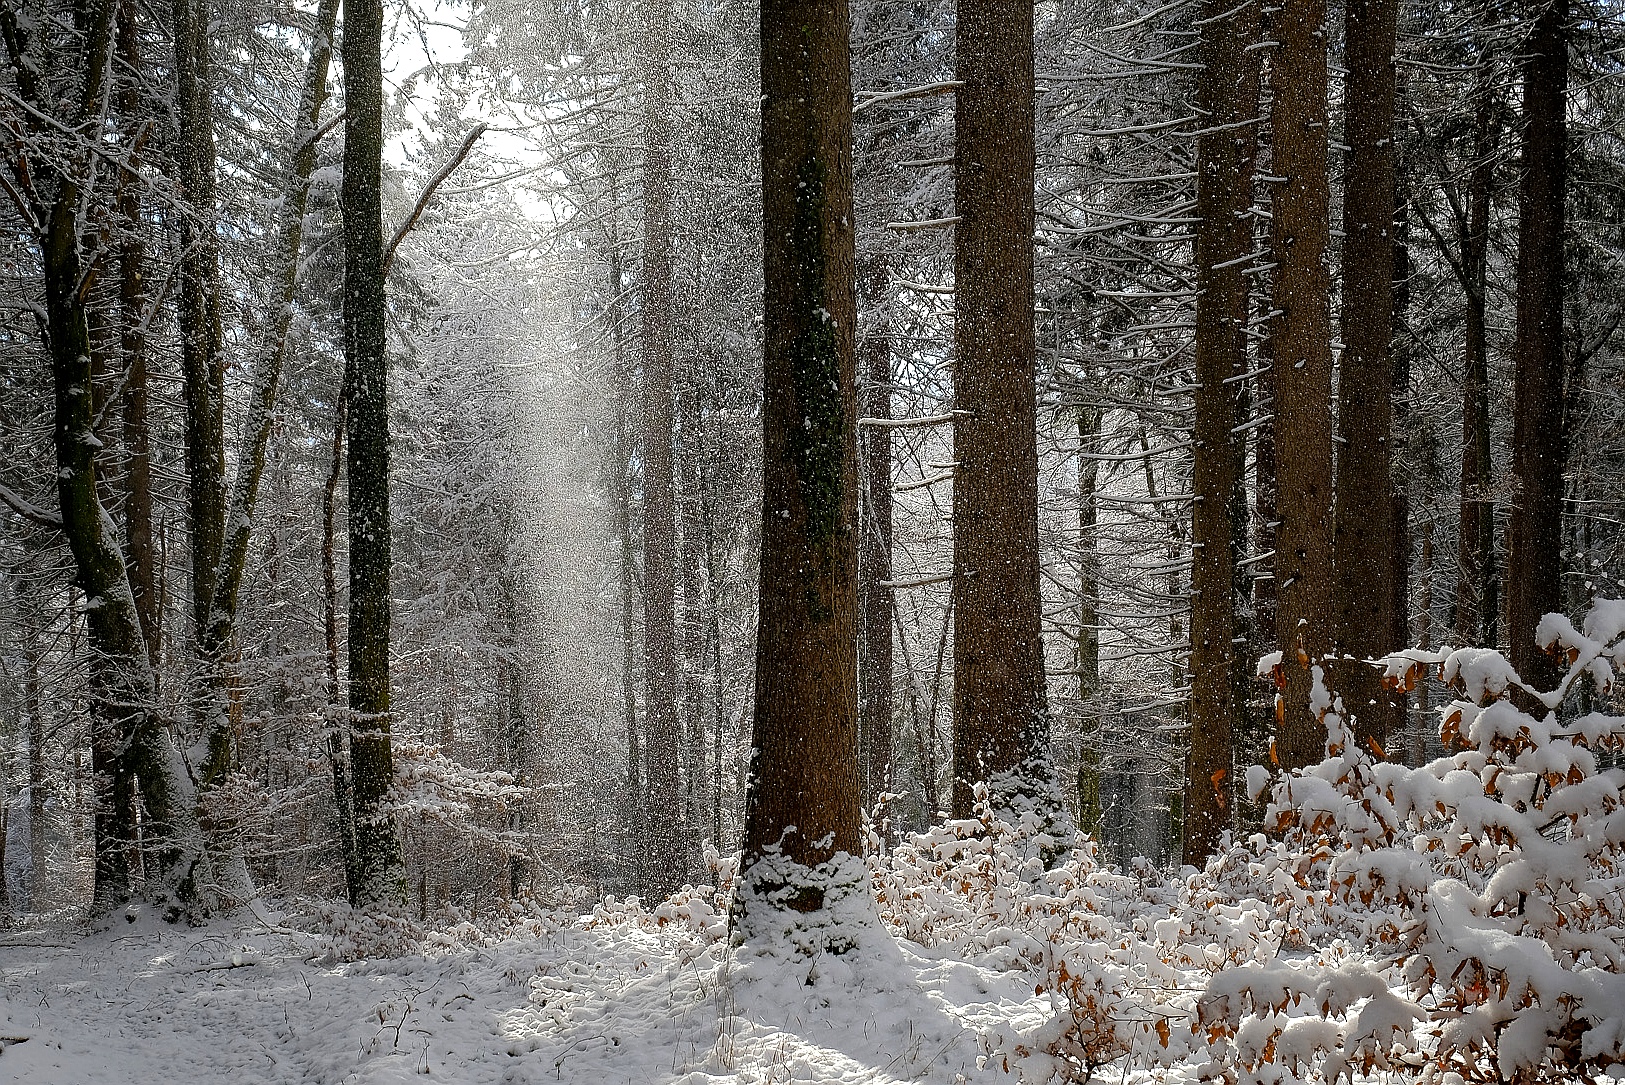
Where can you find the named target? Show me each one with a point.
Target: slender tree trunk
(1225, 153)
(661, 666)
(1302, 370)
(1001, 710)
(34, 706)
(1088, 653)
(338, 737)
(875, 600)
(1477, 604)
(1366, 535)
(382, 878)
(802, 813)
(636, 807)
(1534, 561)
(693, 625)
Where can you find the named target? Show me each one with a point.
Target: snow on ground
(590, 1003)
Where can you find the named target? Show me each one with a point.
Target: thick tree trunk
(802, 812)
(137, 480)
(1366, 535)
(202, 358)
(1534, 560)
(1302, 370)
(661, 666)
(1477, 602)
(1225, 154)
(381, 877)
(1001, 711)
(875, 601)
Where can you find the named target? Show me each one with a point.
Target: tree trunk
(1534, 558)
(1366, 535)
(338, 737)
(137, 481)
(1302, 371)
(34, 707)
(381, 877)
(803, 810)
(1477, 605)
(1001, 710)
(693, 625)
(1225, 153)
(875, 600)
(661, 666)
(1088, 652)
(202, 358)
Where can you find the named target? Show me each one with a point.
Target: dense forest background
(572, 237)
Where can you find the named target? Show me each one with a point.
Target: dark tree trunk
(1366, 534)
(137, 481)
(660, 674)
(381, 877)
(1225, 154)
(875, 601)
(202, 360)
(1477, 603)
(803, 807)
(689, 472)
(1302, 374)
(1001, 711)
(1534, 558)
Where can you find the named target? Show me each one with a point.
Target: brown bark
(1302, 374)
(1001, 711)
(1366, 535)
(381, 876)
(1534, 559)
(663, 755)
(802, 810)
(1225, 153)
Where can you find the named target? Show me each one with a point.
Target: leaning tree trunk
(802, 813)
(1225, 154)
(663, 754)
(1302, 374)
(381, 878)
(1001, 710)
(1366, 534)
(1534, 560)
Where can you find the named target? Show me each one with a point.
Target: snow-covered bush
(1487, 889)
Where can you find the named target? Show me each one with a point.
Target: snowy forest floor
(597, 1002)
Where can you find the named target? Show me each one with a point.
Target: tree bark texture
(1225, 154)
(1477, 601)
(381, 876)
(1366, 534)
(663, 753)
(1001, 711)
(1302, 374)
(1534, 560)
(802, 809)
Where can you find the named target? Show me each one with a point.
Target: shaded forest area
(419, 482)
